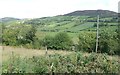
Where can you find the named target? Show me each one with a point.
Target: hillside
(73, 24)
(7, 19)
(93, 13)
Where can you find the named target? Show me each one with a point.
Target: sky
(45, 8)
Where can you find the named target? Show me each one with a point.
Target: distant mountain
(7, 19)
(93, 13)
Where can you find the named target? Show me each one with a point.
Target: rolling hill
(74, 22)
(93, 13)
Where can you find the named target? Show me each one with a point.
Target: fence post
(46, 50)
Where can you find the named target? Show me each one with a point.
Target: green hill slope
(93, 13)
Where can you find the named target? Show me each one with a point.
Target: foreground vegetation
(77, 62)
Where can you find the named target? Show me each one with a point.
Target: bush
(108, 42)
(60, 41)
(87, 41)
(47, 41)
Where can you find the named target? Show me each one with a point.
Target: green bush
(60, 41)
(47, 41)
(108, 42)
(87, 41)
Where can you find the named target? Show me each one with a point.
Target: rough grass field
(7, 52)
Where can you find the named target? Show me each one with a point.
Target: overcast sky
(44, 8)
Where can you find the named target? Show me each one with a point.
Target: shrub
(108, 42)
(60, 41)
(87, 41)
(47, 41)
